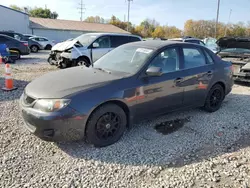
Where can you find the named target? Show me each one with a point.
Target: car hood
(62, 46)
(231, 42)
(61, 83)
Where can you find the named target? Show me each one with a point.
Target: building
(60, 30)
(13, 20)
(54, 29)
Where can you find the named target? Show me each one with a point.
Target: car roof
(157, 44)
(34, 36)
(114, 34)
(7, 36)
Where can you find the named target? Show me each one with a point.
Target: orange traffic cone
(1, 59)
(8, 79)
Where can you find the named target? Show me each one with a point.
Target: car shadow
(14, 94)
(202, 136)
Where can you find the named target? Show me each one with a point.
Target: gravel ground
(210, 150)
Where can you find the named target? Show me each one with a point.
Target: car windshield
(86, 39)
(128, 59)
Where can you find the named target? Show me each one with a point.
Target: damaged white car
(87, 48)
(237, 51)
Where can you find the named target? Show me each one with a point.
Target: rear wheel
(34, 48)
(106, 125)
(215, 98)
(48, 47)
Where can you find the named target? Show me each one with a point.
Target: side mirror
(95, 45)
(154, 71)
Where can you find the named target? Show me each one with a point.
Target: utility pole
(228, 22)
(82, 8)
(128, 13)
(217, 18)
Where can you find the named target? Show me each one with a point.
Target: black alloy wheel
(107, 125)
(214, 98)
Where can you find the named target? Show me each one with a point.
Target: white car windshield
(86, 39)
(128, 59)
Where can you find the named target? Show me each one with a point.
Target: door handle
(178, 80)
(210, 73)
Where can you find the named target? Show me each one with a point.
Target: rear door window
(209, 58)
(42, 39)
(134, 39)
(119, 40)
(193, 57)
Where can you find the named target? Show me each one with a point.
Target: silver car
(87, 48)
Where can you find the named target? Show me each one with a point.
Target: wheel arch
(16, 49)
(223, 85)
(118, 103)
(84, 57)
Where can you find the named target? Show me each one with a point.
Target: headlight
(51, 105)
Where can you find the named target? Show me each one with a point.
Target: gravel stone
(211, 150)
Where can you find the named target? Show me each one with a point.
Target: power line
(128, 13)
(217, 18)
(82, 8)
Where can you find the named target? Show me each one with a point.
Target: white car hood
(62, 46)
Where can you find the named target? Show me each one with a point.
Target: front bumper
(64, 125)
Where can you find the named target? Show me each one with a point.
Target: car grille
(27, 99)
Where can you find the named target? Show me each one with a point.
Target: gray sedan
(133, 82)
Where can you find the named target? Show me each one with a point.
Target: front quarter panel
(76, 53)
(120, 90)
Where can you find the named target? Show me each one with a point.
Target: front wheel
(50, 61)
(106, 125)
(214, 98)
(83, 61)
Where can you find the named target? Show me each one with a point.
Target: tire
(48, 47)
(34, 48)
(18, 56)
(100, 131)
(83, 61)
(50, 61)
(214, 98)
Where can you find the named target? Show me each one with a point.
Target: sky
(166, 12)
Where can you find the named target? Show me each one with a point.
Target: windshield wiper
(104, 70)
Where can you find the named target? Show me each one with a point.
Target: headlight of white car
(51, 105)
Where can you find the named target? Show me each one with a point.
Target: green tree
(15, 7)
(43, 13)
